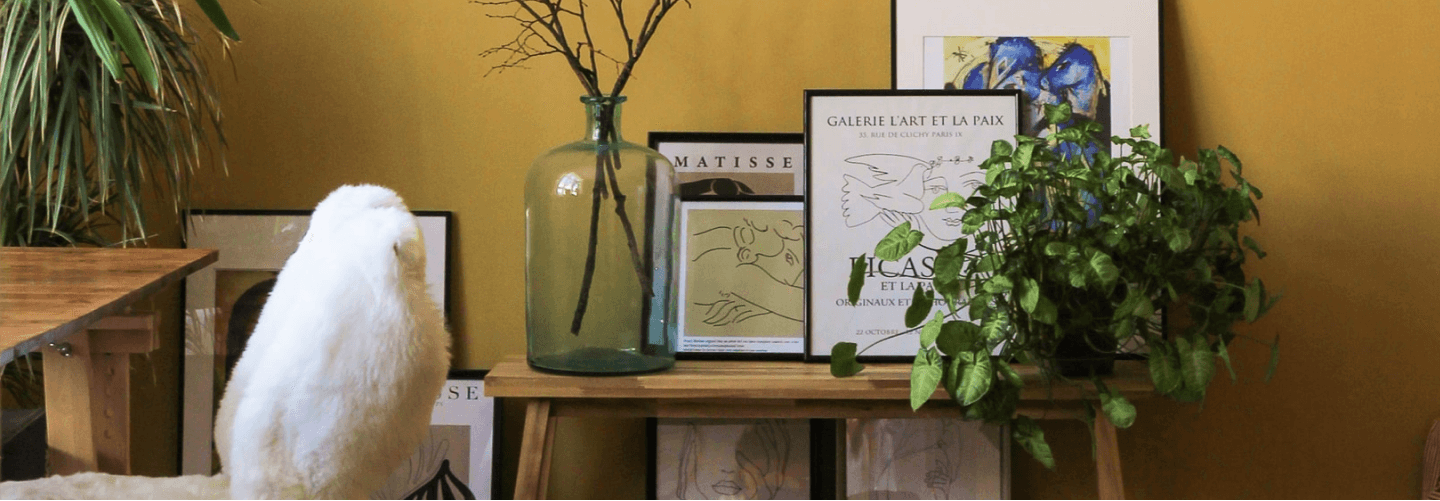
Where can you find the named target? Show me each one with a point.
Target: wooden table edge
(204, 257)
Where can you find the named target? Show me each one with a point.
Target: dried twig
(542, 33)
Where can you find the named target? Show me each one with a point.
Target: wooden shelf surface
(728, 380)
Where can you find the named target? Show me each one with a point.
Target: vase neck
(602, 118)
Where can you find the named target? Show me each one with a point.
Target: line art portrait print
(733, 459)
(743, 276)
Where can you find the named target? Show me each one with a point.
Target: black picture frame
(740, 275)
(773, 160)
(852, 136)
(422, 468)
(285, 228)
(823, 455)
(1137, 24)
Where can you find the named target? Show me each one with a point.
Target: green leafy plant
(100, 97)
(1069, 253)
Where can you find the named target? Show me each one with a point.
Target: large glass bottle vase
(600, 221)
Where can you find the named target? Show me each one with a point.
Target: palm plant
(97, 98)
(100, 97)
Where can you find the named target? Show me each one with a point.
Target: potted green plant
(1070, 252)
(101, 97)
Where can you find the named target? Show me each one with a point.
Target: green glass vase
(600, 224)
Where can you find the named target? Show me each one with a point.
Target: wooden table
(709, 389)
(70, 302)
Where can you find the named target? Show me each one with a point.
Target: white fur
(336, 385)
(103, 486)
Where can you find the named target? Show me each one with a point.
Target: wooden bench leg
(535, 446)
(87, 396)
(1107, 459)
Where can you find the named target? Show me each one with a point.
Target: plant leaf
(976, 377)
(1197, 363)
(959, 336)
(1177, 237)
(924, 377)
(920, 305)
(899, 242)
(842, 360)
(857, 279)
(1011, 376)
(947, 200)
(1028, 434)
(1105, 268)
(1226, 154)
(931, 331)
(218, 18)
(123, 28)
(1045, 311)
(1254, 246)
(1022, 155)
(1164, 368)
(998, 284)
(1057, 114)
(1224, 353)
(1000, 148)
(1253, 297)
(1274, 358)
(1118, 410)
(1029, 294)
(90, 20)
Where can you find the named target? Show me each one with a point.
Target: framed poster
(741, 459)
(926, 458)
(734, 164)
(877, 159)
(1102, 57)
(742, 273)
(223, 302)
(457, 459)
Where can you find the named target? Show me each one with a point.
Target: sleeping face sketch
(894, 189)
(744, 266)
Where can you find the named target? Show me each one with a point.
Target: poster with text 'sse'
(877, 160)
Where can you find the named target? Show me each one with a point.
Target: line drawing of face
(942, 226)
(734, 461)
(899, 188)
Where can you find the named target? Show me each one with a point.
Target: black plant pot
(1076, 358)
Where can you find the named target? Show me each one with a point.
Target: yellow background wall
(1330, 104)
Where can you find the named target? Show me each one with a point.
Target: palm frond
(79, 146)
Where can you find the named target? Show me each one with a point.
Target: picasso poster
(1102, 57)
(877, 159)
(742, 278)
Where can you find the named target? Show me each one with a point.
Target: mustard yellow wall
(1326, 102)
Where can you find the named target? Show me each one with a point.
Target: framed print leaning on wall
(742, 271)
(223, 302)
(734, 164)
(1103, 57)
(741, 458)
(926, 458)
(877, 159)
(457, 458)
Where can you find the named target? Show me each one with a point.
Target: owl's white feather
(336, 385)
